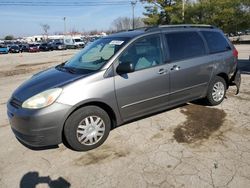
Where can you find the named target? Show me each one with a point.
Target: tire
(86, 125)
(216, 91)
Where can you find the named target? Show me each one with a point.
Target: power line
(71, 3)
(46, 1)
(133, 3)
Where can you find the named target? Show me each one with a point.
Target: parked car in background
(46, 47)
(68, 41)
(24, 47)
(58, 46)
(14, 49)
(3, 49)
(33, 48)
(78, 42)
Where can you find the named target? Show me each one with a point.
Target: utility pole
(183, 10)
(64, 19)
(133, 3)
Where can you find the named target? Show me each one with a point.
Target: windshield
(95, 55)
(78, 40)
(14, 47)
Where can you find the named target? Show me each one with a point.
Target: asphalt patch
(35, 64)
(101, 155)
(201, 123)
(25, 69)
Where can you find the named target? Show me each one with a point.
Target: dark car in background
(3, 49)
(33, 48)
(59, 46)
(14, 49)
(24, 47)
(46, 47)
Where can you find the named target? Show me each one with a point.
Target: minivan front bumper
(38, 128)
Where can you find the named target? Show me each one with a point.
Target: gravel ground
(189, 146)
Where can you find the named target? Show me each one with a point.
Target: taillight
(235, 53)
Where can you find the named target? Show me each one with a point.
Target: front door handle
(175, 67)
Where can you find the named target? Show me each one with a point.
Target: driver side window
(143, 53)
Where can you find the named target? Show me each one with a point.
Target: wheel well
(225, 77)
(103, 106)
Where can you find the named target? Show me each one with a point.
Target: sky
(24, 17)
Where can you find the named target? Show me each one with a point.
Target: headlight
(42, 99)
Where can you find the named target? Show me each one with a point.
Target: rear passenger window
(216, 42)
(185, 45)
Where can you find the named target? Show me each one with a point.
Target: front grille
(15, 102)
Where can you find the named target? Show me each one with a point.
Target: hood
(44, 80)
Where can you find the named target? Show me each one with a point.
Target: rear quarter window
(216, 42)
(184, 45)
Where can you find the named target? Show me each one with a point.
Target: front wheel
(87, 128)
(216, 91)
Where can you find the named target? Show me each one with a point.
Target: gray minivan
(119, 78)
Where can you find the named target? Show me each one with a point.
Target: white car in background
(74, 42)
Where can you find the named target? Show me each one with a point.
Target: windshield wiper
(68, 69)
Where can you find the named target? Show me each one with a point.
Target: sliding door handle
(175, 67)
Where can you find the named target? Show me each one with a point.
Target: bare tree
(125, 23)
(45, 28)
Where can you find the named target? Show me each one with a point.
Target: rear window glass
(185, 45)
(216, 42)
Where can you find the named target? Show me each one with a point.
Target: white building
(36, 38)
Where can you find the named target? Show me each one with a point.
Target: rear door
(190, 68)
(146, 89)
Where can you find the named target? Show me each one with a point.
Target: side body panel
(95, 88)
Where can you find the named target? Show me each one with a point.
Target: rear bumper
(34, 50)
(3, 52)
(236, 80)
(69, 46)
(38, 128)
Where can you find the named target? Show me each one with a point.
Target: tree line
(229, 15)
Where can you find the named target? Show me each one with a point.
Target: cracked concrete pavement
(188, 146)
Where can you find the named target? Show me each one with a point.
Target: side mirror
(125, 67)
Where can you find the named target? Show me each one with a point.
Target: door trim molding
(163, 95)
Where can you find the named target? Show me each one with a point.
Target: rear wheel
(216, 91)
(87, 128)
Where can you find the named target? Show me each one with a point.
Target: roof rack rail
(181, 26)
(187, 25)
(135, 29)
